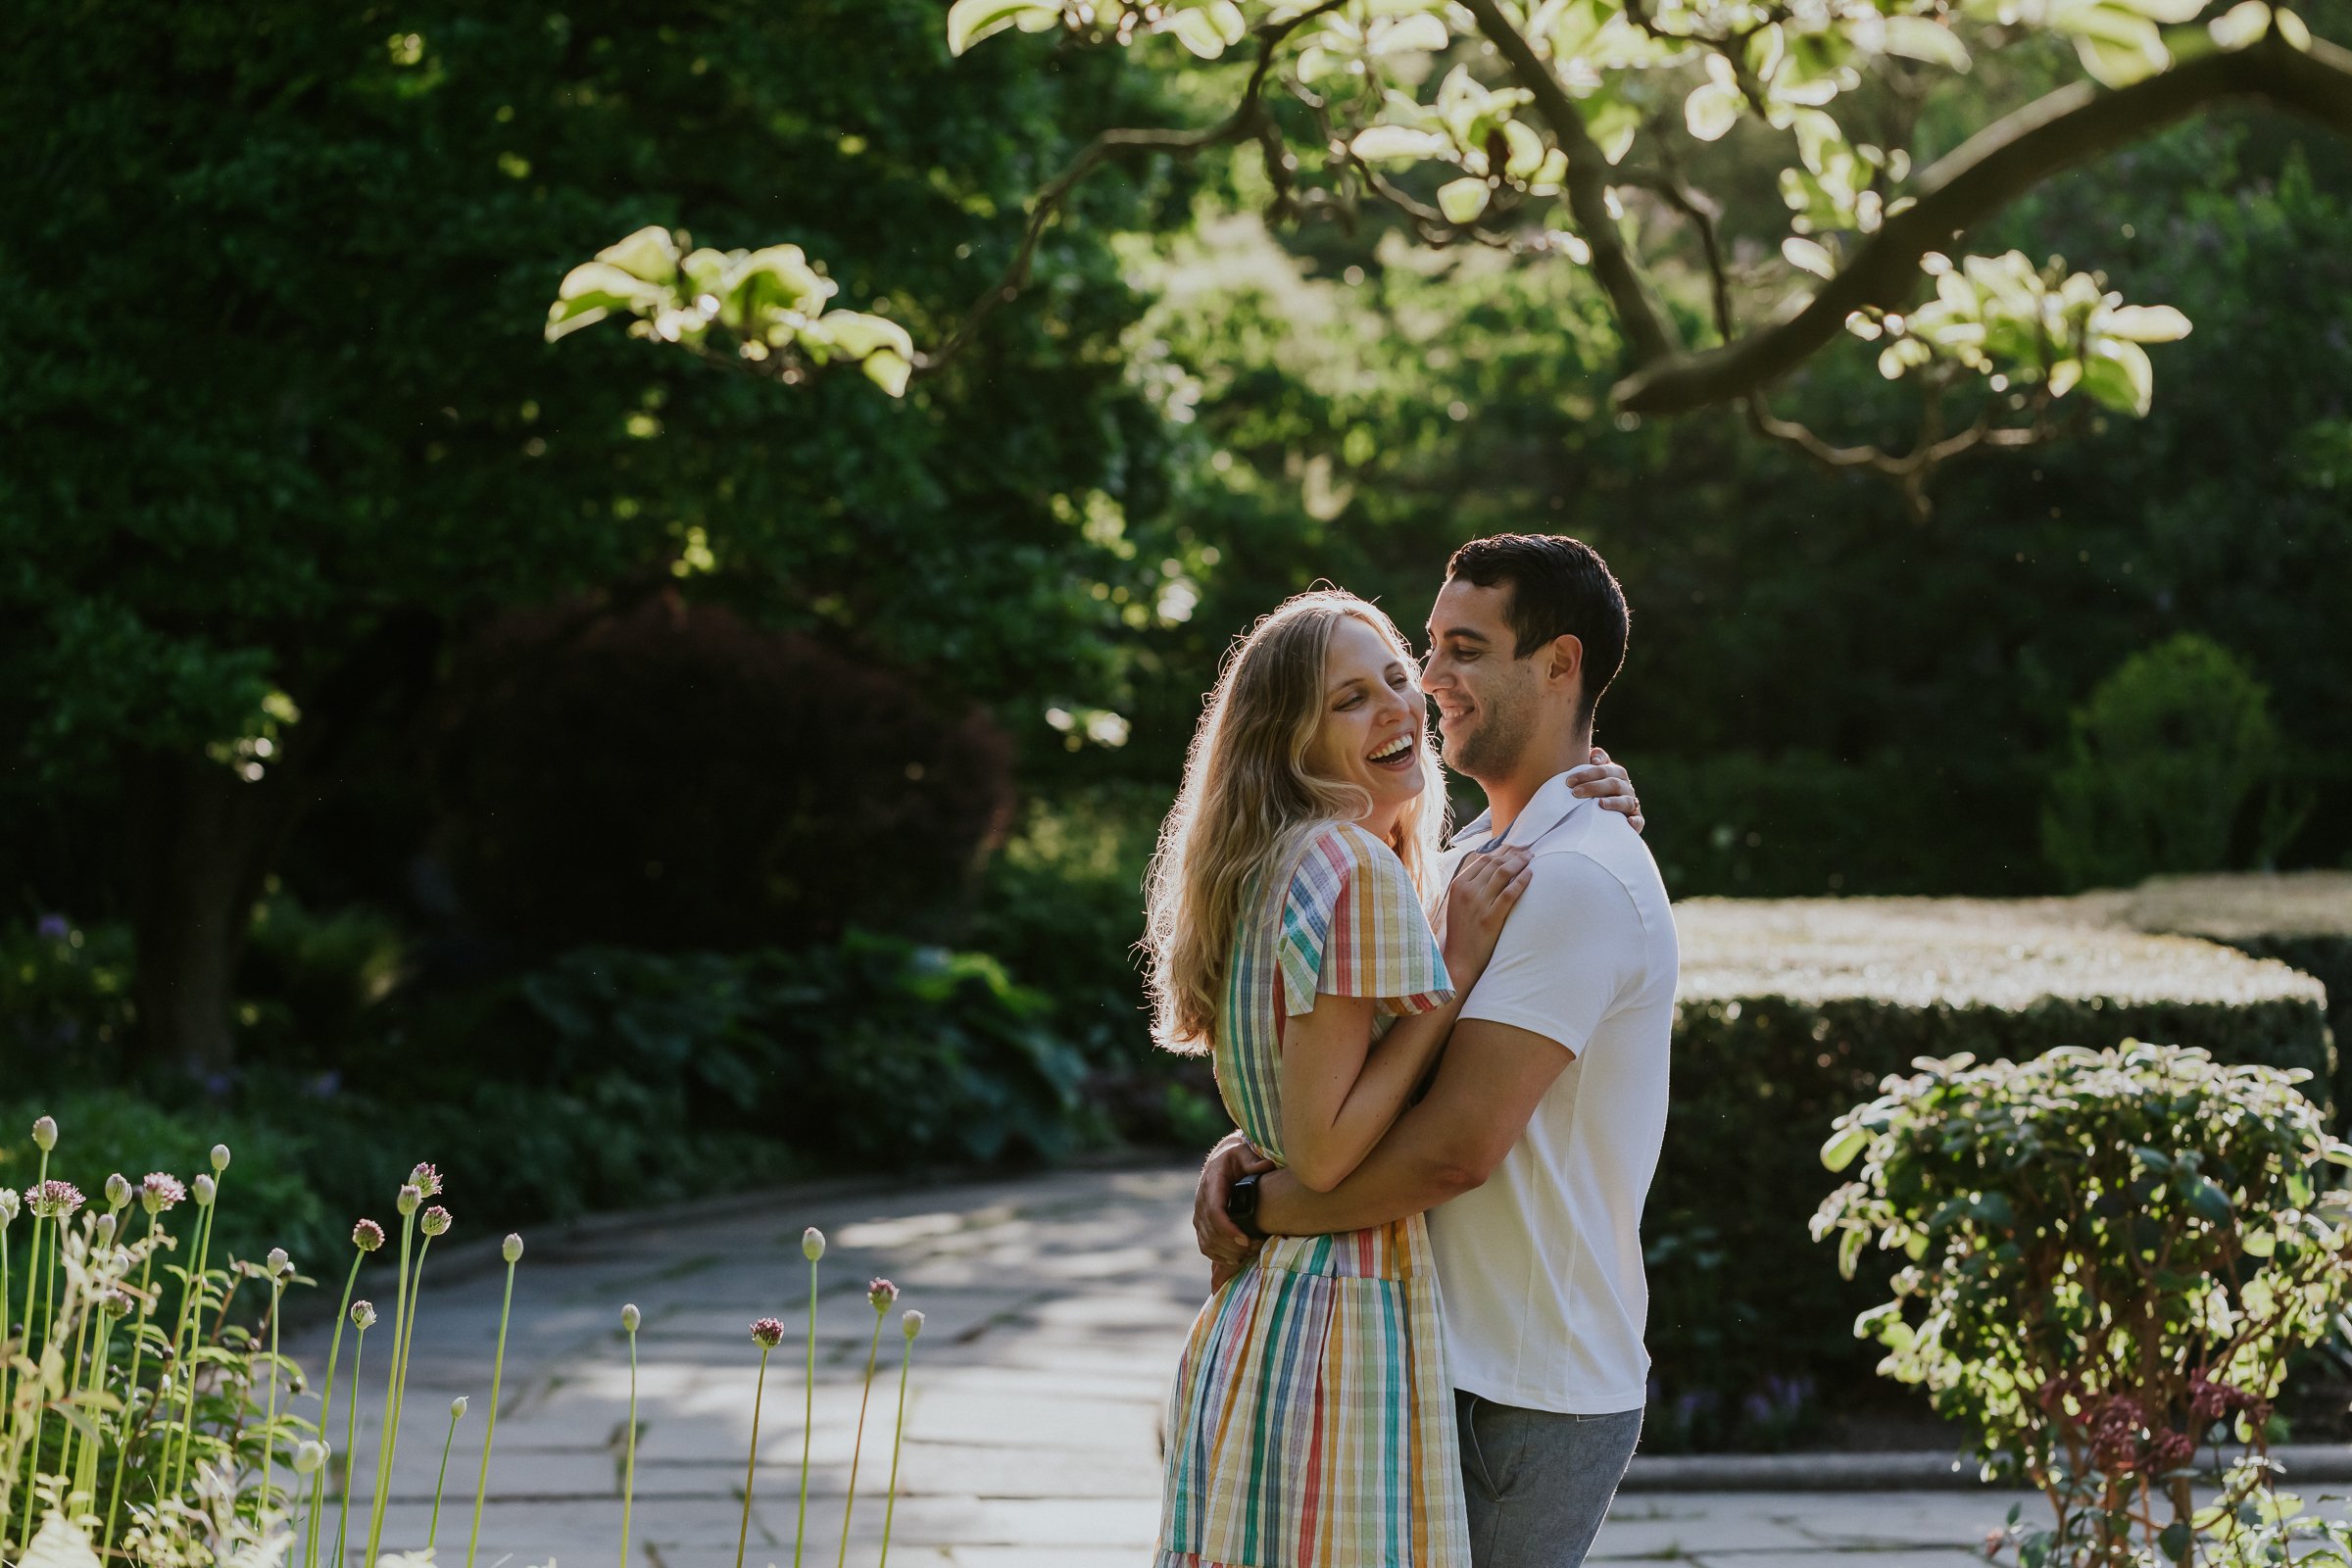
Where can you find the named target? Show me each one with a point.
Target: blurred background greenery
(616, 780)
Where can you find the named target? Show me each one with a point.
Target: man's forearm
(1410, 1171)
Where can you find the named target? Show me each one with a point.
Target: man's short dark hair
(1559, 587)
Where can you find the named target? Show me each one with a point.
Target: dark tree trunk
(201, 842)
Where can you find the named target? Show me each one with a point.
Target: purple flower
(54, 928)
(881, 1292)
(767, 1333)
(367, 1236)
(434, 1220)
(54, 1199)
(159, 1191)
(425, 1179)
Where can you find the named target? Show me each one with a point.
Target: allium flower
(118, 1304)
(44, 1133)
(277, 1261)
(911, 1323)
(102, 1230)
(117, 1190)
(367, 1236)
(510, 1248)
(310, 1458)
(52, 1199)
(10, 1205)
(812, 1244)
(410, 1197)
(159, 1191)
(202, 1190)
(630, 1319)
(457, 1407)
(881, 1292)
(425, 1179)
(220, 1159)
(434, 1221)
(363, 1315)
(767, 1333)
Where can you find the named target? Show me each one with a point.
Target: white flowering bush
(148, 1416)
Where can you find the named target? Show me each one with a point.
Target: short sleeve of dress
(1353, 926)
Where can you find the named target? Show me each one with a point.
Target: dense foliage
(2112, 1254)
(1789, 1014)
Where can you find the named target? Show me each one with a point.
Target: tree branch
(1249, 120)
(1976, 179)
(1638, 317)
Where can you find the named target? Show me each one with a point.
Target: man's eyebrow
(1464, 632)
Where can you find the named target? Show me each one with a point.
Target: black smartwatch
(1241, 1206)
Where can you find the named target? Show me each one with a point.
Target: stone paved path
(1055, 1309)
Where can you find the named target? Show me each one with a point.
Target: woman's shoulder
(1340, 853)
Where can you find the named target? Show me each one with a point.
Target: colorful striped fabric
(1312, 1424)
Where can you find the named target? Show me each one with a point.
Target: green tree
(281, 434)
(1578, 128)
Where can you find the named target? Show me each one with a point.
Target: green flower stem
(46, 1263)
(898, 1441)
(751, 1466)
(66, 1465)
(261, 1506)
(131, 1389)
(6, 1381)
(32, 1274)
(192, 1309)
(628, 1466)
(408, 1343)
(326, 1408)
(389, 1437)
(800, 1534)
(85, 1470)
(432, 1532)
(857, 1443)
(498, 1371)
(351, 1442)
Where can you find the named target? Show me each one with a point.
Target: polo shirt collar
(1547, 809)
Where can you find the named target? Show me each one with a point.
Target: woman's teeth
(1393, 750)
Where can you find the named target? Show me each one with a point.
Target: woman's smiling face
(1370, 733)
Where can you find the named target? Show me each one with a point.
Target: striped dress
(1312, 1421)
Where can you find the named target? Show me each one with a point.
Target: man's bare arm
(1488, 1084)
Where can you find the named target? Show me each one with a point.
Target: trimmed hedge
(1790, 1013)
(2302, 919)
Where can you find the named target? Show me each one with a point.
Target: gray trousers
(1539, 1484)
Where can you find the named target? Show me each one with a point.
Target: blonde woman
(1312, 1421)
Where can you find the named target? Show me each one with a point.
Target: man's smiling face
(1486, 695)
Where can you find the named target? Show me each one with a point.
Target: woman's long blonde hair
(1248, 806)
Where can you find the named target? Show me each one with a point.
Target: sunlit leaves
(970, 20)
(767, 305)
(2001, 316)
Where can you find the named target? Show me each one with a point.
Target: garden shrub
(2301, 918)
(676, 778)
(1792, 1012)
(1061, 904)
(2163, 761)
(2110, 1257)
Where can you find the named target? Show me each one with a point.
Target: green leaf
(1380, 143)
(648, 255)
(1811, 256)
(970, 20)
(2241, 24)
(1211, 30)
(1419, 34)
(1462, 200)
(2173, 1539)
(1844, 1143)
(1918, 38)
(1711, 110)
(2145, 324)
(2208, 1202)
(59, 1546)
(2119, 376)
(888, 369)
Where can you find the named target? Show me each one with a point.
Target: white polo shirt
(1541, 1268)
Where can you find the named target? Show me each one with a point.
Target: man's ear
(1564, 660)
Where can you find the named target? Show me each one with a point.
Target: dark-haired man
(1534, 1147)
